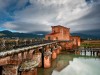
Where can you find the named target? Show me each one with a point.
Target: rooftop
(60, 26)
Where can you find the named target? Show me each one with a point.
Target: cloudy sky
(40, 15)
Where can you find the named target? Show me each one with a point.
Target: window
(56, 38)
(48, 38)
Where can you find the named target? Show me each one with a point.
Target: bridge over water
(24, 60)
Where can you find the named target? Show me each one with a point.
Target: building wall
(59, 33)
(67, 45)
(63, 33)
(66, 33)
(76, 40)
(52, 37)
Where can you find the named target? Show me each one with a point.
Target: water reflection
(81, 66)
(70, 64)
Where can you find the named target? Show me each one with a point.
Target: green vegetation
(90, 45)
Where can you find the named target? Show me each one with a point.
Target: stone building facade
(76, 40)
(59, 33)
(63, 33)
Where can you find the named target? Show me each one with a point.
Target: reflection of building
(59, 33)
(63, 33)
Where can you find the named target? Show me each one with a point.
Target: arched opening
(1, 70)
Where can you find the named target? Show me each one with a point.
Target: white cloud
(9, 25)
(41, 14)
(26, 27)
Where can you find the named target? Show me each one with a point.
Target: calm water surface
(70, 64)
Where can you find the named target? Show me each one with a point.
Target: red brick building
(63, 33)
(76, 40)
(59, 33)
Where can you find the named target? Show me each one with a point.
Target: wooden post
(97, 53)
(85, 52)
(93, 53)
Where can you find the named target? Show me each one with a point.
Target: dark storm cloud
(39, 15)
(89, 21)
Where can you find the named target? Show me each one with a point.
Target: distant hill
(10, 34)
(84, 36)
(92, 34)
(41, 34)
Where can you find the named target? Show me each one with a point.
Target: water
(81, 66)
(70, 64)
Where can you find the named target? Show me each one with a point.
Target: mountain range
(95, 34)
(10, 34)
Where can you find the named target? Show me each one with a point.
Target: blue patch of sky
(88, 1)
(91, 1)
(13, 7)
(9, 13)
(4, 17)
(8, 16)
(27, 4)
(1, 29)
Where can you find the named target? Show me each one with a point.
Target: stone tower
(59, 33)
